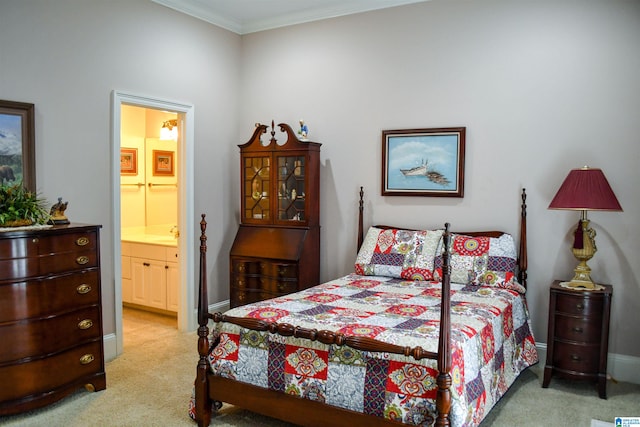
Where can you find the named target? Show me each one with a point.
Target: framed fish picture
(423, 162)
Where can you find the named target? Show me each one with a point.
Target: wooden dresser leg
(547, 376)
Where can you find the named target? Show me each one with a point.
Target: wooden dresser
(578, 335)
(50, 315)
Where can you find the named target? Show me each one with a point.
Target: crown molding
(199, 9)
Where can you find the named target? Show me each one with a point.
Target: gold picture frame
(128, 161)
(163, 163)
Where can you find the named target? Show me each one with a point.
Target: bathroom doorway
(168, 180)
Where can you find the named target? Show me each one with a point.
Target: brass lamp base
(583, 253)
(575, 284)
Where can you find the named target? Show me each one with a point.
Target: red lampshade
(585, 189)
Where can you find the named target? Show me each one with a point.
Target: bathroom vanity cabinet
(150, 276)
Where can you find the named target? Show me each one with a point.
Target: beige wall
(542, 87)
(68, 56)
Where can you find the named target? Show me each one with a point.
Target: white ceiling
(249, 16)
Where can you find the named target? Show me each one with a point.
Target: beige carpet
(150, 385)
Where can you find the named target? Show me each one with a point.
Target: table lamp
(582, 190)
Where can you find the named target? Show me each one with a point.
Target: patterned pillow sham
(482, 261)
(403, 254)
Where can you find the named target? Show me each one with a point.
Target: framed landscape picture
(17, 144)
(423, 162)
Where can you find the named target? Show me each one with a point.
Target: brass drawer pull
(241, 268)
(86, 359)
(577, 329)
(575, 357)
(82, 260)
(85, 324)
(82, 241)
(83, 289)
(580, 306)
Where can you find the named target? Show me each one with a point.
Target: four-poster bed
(291, 357)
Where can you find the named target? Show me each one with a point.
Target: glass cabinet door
(256, 187)
(291, 188)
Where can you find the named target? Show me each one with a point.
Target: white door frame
(186, 222)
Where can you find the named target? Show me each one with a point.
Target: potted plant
(20, 207)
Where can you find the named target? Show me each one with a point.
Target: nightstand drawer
(577, 358)
(582, 330)
(578, 305)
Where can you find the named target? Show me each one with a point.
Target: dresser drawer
(245, 267)
(280, 270)
(578, 329)
(578, 305)
(248, 296)
(48, 264)
(46, 335)
(33, 246)
(42, 375)
(576, 358)
(51, 295)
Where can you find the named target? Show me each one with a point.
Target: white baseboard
(221, 306)
(620, 367)
(110, 347)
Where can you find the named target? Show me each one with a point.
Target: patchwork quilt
(492, 343)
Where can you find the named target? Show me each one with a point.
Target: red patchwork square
(306, 362)
(227, 348)
(411, 379)
(488, 343)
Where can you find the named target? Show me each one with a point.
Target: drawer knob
(575, 357)
(577, 329)
(580, 306)
(241, 268)
(281, 287)
(83, 289)
(82, 260)
(82, 241)
(85, 324)
(86, 359)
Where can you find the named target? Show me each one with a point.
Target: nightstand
(578, 336)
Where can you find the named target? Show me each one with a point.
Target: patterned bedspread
(491, 344)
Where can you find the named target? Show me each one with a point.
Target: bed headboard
(522, 250)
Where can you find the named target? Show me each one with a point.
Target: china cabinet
(276, 250)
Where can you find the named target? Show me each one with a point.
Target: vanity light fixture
(169, 130)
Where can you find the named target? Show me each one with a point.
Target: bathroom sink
(162, 239)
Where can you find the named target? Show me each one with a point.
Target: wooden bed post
(203, 404)
(522, 255)
(443, 396)
(360, 220)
